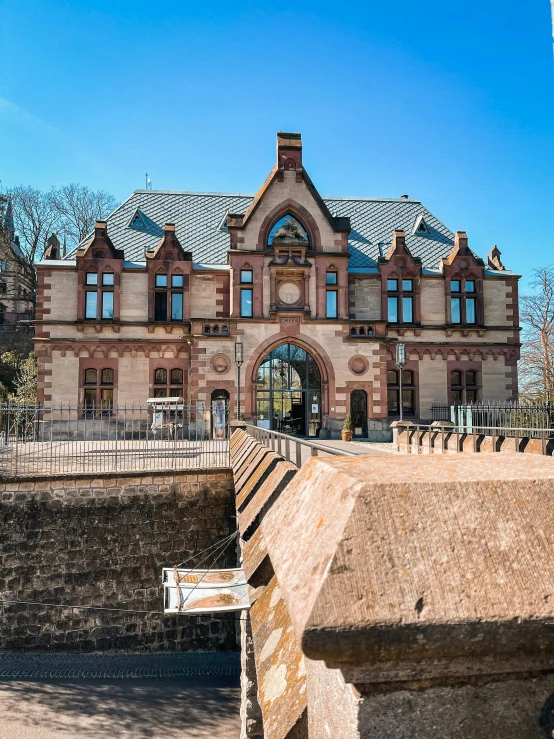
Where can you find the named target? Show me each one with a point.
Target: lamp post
(400, 363)
(238, 361)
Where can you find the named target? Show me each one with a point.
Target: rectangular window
(392, 285)
(470, 310)
(106, 398)
(246, 303)
(90, 398)
(407, 286)
(91, 278)
(91, 302)
(177, 280)
(108, 278)
(107, 304)
(176, 306)
(407, 310)
(456, 310)
(3, 265)
(246, 276)
(455, 286)
(160, 306)
(331, 310)
(470, 286)
(161, 280)
(392, 306)
(331, 278)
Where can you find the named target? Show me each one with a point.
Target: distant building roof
(137, 225)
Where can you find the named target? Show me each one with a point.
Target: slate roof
(198, 223)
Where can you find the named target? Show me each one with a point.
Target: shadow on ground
(180, 708)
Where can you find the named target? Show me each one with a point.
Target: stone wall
(103, 541)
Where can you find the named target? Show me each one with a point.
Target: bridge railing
(445, 438)
(294, 450)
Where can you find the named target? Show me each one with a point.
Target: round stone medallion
(220, 363)
(358, 365)
(289, 293)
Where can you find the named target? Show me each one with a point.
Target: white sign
(204, 591)
(315, 408)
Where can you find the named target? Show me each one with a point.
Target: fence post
(298, 454)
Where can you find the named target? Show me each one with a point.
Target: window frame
(163, 389)
(335, 293)
(407, 388)
(464, 387)
(400, 295)
(461, 297)
(164, 295)
(98, 288)
(99, 389)
(243, 292)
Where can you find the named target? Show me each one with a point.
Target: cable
(213, 546)
(200, 580)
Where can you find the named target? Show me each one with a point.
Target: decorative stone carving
(358, 365)
(220, 364)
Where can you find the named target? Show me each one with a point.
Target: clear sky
(451, 103)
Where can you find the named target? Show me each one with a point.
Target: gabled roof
(198, 218)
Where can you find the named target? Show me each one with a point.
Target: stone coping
(113, 474)
(419, 560)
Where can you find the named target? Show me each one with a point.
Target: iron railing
(54, 440)
(530, 416)
(430, 438)
(284, 444)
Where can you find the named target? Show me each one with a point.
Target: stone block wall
(103, 541)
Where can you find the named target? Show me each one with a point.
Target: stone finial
(398, 245)
(494, 259)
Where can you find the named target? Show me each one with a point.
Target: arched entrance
(288, 391)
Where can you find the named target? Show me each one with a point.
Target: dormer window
(420, 227)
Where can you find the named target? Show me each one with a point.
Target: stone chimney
(289, 151)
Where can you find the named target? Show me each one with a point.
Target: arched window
(393, 392)
(169, 383)
(288, 230)
(98, 390)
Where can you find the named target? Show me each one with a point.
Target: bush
(347, 425)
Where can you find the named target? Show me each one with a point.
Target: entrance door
(288, 394)
(358, 412)
(219, 407)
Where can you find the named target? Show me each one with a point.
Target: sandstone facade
(245, 278)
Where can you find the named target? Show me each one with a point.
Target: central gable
(288, 195)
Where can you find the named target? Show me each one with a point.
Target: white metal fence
(37, 440)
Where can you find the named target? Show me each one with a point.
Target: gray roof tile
(198, 217)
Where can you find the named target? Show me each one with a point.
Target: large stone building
(318, 291)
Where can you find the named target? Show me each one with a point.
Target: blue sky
(450, 103)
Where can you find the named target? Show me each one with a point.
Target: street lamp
(238, 361)
(400, 363)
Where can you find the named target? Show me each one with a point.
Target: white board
(205, 591)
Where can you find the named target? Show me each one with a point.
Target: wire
(213, 546)
(217, 555)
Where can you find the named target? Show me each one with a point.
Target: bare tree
(78, 208)
(35, 219)
(537, 316)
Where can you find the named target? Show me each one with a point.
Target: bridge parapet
(419, 591)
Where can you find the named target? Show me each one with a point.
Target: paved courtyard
(200, 701)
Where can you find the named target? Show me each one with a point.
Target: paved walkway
(201, 706)
(354, 447)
